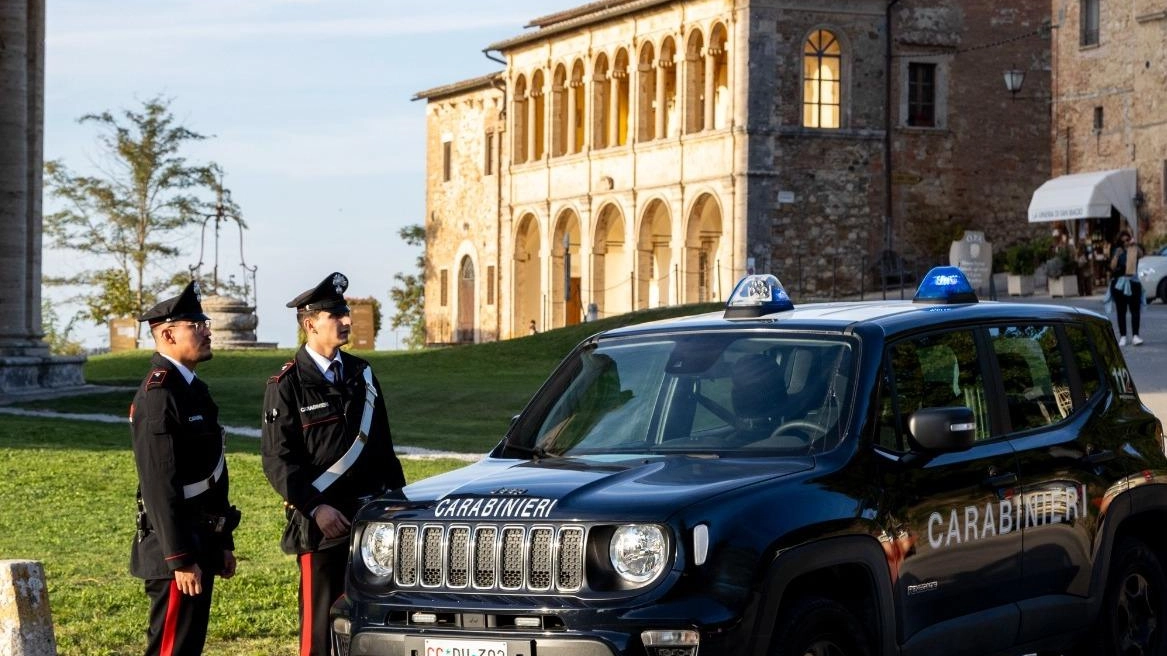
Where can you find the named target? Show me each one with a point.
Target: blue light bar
(756, 295)
(945, 285)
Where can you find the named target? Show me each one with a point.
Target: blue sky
(308, 103)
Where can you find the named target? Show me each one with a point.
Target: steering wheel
(812, 430)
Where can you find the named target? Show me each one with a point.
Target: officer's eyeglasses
(204, 325)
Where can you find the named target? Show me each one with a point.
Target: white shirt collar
(186, 373)
(323, 362)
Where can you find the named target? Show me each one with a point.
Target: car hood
(582, 488)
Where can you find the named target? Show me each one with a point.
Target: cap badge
(198, 293)
(340, 283)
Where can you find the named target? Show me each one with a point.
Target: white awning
(1085, 195)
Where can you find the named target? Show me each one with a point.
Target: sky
(308, 106)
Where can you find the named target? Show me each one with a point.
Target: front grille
(506, 558)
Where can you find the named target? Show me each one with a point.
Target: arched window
(603, 111)
(521, 118)
(695, 83)
(560, 100)
(822, 67)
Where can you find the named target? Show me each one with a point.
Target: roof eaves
(608, 11)
(453, 88)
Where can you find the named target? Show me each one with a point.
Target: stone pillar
(613, 109)
(25, 364)
(710, 73)
(659, 130)
(26, 625)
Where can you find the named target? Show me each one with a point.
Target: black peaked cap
(187, 306)
(328, 295)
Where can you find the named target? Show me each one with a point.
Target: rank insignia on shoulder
(283, 371)
(156, 378)
(271, 415)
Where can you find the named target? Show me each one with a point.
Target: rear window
(708, 392)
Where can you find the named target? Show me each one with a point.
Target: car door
(955, 552)
(1068, 456)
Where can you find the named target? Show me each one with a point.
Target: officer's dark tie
(334, 367)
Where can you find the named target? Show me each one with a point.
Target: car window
(704, 392)
(1033, 375)
(931, 371)
(1088, 370)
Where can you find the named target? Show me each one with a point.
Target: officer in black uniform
(326, 450)
(184, 518)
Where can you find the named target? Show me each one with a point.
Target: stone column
(26, 625)
(710, 73)
(659, 132)
(25, 364)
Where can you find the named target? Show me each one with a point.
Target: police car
(939, 476)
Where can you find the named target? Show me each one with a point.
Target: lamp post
(1014, 78)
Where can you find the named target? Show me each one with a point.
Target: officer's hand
(331, 521)
(229, 564)
(189, 580)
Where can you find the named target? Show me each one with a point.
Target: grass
(68, 490)
(68, 486)
(452, 399)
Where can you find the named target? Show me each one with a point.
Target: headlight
(638, 552)
(377, 544)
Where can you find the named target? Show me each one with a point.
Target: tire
(1133, 621)
(1161, 291)
(819, 627)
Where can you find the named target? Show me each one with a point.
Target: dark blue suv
(941, 476)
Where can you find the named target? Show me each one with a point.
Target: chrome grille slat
(487, 557)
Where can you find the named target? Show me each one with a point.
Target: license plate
(435, 647)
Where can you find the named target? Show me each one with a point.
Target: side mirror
(943, 429)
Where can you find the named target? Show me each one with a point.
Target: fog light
(670, 643)
(341, 626)
(424, 618)
(529, 622)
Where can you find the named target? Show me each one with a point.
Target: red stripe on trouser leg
(306, 604)
(170, 625)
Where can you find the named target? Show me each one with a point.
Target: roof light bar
(945, 285)
(757, 295)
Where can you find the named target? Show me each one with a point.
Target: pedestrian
(185, 521)
(326, 449)
(532, 328)
(1128, 291)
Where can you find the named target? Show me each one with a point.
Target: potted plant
(1020, 260)
(1062, 270)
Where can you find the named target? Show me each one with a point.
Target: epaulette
(155, 379)
(283, 372)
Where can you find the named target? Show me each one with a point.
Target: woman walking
(1127, 290)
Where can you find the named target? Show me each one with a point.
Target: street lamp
(1014, 77)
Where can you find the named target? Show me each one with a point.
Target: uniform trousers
(178, 622)
(1134, 303)
(321, 584)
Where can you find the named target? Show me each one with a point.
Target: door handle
(1001, 480)
(1098, 457)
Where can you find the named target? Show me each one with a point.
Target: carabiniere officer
(184, 518)
(326, 450)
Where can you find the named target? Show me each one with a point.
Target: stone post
(26, 625)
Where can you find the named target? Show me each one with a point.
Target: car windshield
(709, 392)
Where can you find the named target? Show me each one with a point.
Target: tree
(131, 214)
(408, 295)
(58, 337)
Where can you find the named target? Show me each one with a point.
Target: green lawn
(68, 486)
(452, 399)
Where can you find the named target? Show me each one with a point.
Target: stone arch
(566, 270)
(654, 265)
(716, 51)
(703, 241)
(560, 101)
(623, 105)
(668, 82)
(521, 118)
(603, 111)
(537, 118)
(646, 96)
(695, 75)
(611, 271)
(526, 275)
(576, 109)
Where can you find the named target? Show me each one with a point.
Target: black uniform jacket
(177, 441)
(308, 425)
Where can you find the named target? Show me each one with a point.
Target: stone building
(1108, 135)
(639, 153)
